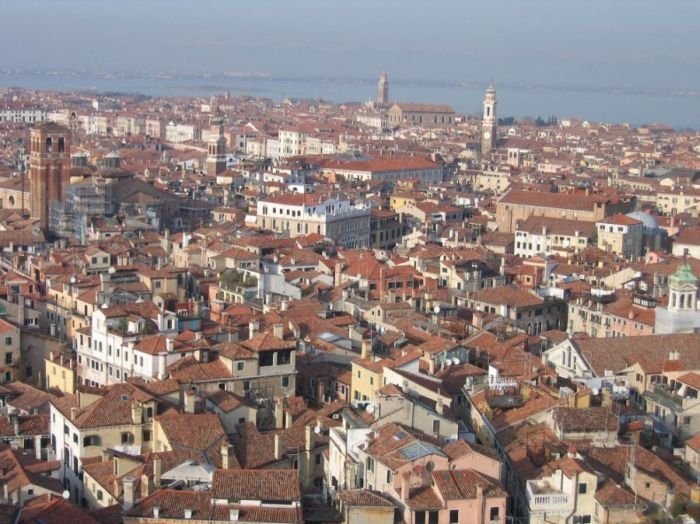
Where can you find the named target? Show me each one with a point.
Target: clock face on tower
(487, 134)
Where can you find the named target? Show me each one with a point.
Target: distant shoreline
(679, 108)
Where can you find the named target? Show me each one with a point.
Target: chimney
(161, 366)
(136, 413)
(233, 515)
(20, 310)
(381, 283)
(366, 348)
(253, 326)
(190, 401)
(404, 386)
(288, 419)
(284, 305)
(145, 486)
(157, 471)
(128, 484)
(156, 512)
(73, 412)
(405, 485)
(226, 456)
(279, 413)
(309, 437)
(278, 447)
(169, 345)
(278, 331)
(338, 274)
(440, 406)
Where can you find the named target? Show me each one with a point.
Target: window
(318, 459)
(146, 435)
(127, 438)
(494, 513)
(454, 516)
(370, 464)
(8, 358)
(436, 426)
(389, 476)
(582, 488)
(266, 358)
(99, 494)
(240, 366)
(285, 382)
(8, 341)
(284, 357)
(92, 440)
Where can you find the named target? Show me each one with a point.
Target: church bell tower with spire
(489, 122)
(216, 158)
(383, 89)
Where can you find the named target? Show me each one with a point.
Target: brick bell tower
(49, 168)
(216, 157)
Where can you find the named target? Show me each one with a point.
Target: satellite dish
(66, 494)
(317, 430)
(369, 409)
(436, 309)
(73, 280)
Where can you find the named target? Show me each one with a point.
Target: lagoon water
(622, 61)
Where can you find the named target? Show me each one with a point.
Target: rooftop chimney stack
(190, 401)
(128, 484)
(366, 348)
(157, 471)
(278, 447)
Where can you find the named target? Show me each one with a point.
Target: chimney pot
(278, 447)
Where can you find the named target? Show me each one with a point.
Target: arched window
(61, 145)
(49, 145)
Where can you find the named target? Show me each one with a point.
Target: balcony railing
(547, 500)
(665, 392)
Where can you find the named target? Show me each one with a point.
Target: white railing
(550, 502)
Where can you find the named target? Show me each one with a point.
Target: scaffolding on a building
(70, 217)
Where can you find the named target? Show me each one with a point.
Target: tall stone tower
(489, 122)
(216, 159)
(49, 168)
(383, 89)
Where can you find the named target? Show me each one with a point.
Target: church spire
(489, 121)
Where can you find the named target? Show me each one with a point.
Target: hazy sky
(641, 43)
